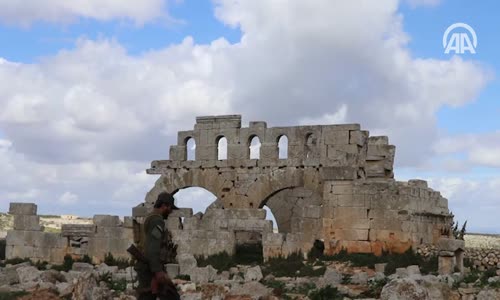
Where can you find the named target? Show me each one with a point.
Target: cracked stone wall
(337, 184)
(28, 240)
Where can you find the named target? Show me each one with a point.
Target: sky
(93, 91)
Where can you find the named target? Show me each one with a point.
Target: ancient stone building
(106, 234)
(335, 184)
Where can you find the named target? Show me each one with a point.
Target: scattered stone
(28, 274)
(187, 263)
(253, 274)
(413, 270)
(82, 267)
(332, 277)
(404, 289)
(380, 268)
(64, 289)
(360, 278)
(253, 288)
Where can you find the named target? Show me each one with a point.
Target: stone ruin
(107, 234)
(335, 185)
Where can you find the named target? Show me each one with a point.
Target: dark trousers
(144, 276)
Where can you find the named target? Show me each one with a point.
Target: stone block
(128, 222)
(358, 137)
(447, 244)
(139, 211)
(107, 221)
(351, 234)
(335, 137)
(27, 222)
(182, 213)
(178, 153)
(352, 149)
(173, 223)
(15, 238)
(342, 188)
(338, 173)
(380, 268)
(79, 230)
(16, 208)
(378, 140)
(173, 270)
(312, 211)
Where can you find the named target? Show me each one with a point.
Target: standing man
(153, 280)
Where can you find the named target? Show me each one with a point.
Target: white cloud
(68, 198)
(479, 149)
(26, 12)
(338, 117)
(475, 200)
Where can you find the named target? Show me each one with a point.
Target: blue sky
(440, 110)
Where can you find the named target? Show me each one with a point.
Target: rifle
(163, 289)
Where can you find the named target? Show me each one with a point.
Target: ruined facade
(107, 234)
(336, 184)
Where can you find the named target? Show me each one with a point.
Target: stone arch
(294, 206)
(252, 142)
(174, 181)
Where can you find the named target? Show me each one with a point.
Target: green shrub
(3, 245)
(12, 295)
(119, 285)
(246, 254)
(221, 261)
(183, 277)
(121, 263)
(40, 265)
(66, 265)
(326, 293)
(375, 289)
(284, 266)
(85, 259)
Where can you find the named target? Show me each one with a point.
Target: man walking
(153, 280)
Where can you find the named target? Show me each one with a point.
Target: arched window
(190, 149)
(283, 147)
(221, 148)
(254, 147)
(310, 144)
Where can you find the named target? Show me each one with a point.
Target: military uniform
(154, 243)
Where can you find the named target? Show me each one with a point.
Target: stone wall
(28, 240)
(336, 184)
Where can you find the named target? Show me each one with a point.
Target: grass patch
(3, 245)
(12, 295)
(393, 260)
(121, 263)
(183, 277)
(14, 261)
(248, 254)
(221, 261)
(66, 265)
(375, 288)
(116, 285)
(326, 293)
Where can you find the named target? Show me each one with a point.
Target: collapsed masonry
(107, 234)
(336, 185)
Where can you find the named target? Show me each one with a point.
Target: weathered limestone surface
(336, 184)
(28, 240)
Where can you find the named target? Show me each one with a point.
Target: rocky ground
(339, 280)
